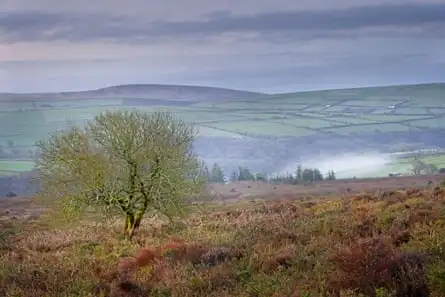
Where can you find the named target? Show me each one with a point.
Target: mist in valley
(347, 165)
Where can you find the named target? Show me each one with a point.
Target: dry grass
(245, 190)
(371, 244)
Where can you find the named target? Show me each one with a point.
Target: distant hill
(142, 91)
(403, 91)
(177, 92)
(201, 93)
(238, 128)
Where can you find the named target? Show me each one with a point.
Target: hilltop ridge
(142, 91)
(196, 93)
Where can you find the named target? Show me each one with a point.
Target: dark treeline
(215, 174)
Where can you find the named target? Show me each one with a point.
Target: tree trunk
(137, 222)
(133, 222)
(140, 214)
(129, 227)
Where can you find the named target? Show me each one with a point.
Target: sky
(268, 46)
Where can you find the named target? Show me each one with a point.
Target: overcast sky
(270, 46)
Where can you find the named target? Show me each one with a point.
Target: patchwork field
(359, 238)
(361, 110)
(24, 119)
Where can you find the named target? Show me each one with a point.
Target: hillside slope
(260, 131)
(141, 91)
(410, 91)
(330, 113)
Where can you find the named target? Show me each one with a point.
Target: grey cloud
(14, 64)
(353, 18)
(40, 26)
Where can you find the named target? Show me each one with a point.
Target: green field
(438, 160)
(23, 121)
(342, 112)
(376, 128)
(10, 167)
(16, 165)
(404, 166)
(261, 127)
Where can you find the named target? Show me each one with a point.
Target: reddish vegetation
(145, 257)
(370, 262)
(176, 251)
(362, 242)
(373, 263)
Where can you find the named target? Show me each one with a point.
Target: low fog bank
(347, 165)
(366, 156)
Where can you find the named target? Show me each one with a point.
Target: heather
(375, 244)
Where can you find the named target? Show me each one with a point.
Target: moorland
(373, 238)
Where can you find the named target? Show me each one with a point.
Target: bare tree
(125, 162)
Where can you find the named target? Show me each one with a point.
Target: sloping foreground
(373, 244)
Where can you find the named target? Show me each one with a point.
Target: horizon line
(222, 88)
